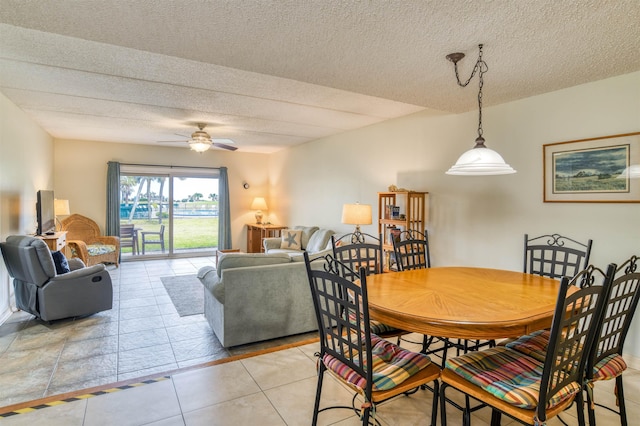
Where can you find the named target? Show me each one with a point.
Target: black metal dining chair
(372, 367)
(555, 256)
(528, 389)
(605, 361)
(411, 250)
(360, 250)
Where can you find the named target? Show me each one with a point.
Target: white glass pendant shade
(199, 145)
(479, 161)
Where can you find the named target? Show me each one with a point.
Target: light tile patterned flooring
(272, 389)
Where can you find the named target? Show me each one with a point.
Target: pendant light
(479, 160)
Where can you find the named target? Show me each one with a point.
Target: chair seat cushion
(508, 375)
(98, 249)
(533, 345)
(609, 368)
(377, 327)
(392, 365)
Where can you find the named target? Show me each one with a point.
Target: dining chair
(527, 389)
(153, 238)
(555, 256)
(372, 367)
(360, 250)
(129, 238)
(411, 250)
(605, 361)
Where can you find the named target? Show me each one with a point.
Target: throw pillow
(291, 239)
(59, 259)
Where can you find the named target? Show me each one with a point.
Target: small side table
(55, 242)
(256, 232)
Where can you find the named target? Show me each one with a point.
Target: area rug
(186, 293)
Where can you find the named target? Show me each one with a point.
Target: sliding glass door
(173, 211)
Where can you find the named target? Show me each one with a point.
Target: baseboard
(5, 315)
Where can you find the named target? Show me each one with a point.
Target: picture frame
(595, 170)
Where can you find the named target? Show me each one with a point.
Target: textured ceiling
(271, 74)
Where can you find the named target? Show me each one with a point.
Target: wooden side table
(256, 232)
(55, 242)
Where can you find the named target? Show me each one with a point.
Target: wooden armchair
(85, 241)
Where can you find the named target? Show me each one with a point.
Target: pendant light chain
(481, 68)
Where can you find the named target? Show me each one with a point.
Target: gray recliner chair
(40, 291)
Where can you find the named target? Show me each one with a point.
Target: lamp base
(259, 217)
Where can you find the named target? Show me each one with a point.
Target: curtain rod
(171, 167)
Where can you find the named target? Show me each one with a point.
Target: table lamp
(258, 205)
(61, 208)
(356, 214)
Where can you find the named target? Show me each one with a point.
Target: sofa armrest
(271, 243)
(79, 249)
(76, 263)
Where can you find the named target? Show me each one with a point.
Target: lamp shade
(259, 204)
(61, 207)
(356, 214)
(480, 160)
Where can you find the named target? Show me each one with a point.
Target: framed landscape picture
(597, 170)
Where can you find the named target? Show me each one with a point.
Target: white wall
(80, 168)
(25, 167)
(475, 221)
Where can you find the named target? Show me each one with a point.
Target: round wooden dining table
(463, 302)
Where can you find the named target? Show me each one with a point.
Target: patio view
(189, 216)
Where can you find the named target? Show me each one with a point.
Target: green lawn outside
(189, 233)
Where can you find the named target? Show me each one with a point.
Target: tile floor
(271, 389)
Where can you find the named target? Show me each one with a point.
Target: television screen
(45, 212)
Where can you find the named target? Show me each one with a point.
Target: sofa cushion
(291, 253)
(291, 239)
(239, 260)
(319, 240)
(307, 232)
(99, 249)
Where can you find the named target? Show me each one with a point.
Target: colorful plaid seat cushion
(376, 326)
(533, 345)
(609, 368)
(392, 365)
(508, 375)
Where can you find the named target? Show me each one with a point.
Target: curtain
(113, 199)
(224, 213)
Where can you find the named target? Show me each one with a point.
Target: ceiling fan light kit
(480, 160)
(201, 141)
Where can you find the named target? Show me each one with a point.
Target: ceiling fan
(201, 141)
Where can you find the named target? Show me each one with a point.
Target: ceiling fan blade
(225, 146)
(171, 141)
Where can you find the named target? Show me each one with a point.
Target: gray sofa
(254, 296)
(314, 241)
